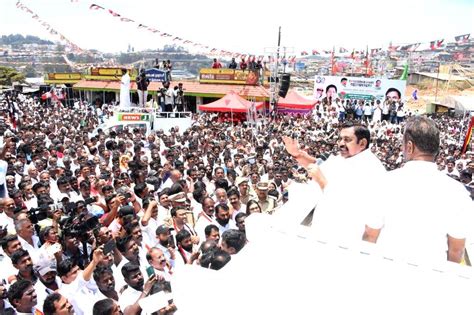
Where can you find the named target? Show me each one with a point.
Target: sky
(246, 26)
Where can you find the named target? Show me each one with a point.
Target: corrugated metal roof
(459, 103)
(190, 88)
(442, 76)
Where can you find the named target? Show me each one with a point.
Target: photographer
(47, 213)
(179, 97)
(169, 97)
(142, 88)
(113, 203)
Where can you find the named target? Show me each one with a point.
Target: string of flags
(211, 50)
(141, 26)
(433, 45)
(355, 54)
(48, 27)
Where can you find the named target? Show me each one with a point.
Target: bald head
(175, 175)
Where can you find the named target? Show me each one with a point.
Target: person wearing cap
(163, 238)
(243, 184)
(48, 283)
(266, 203)
(180, 200)
(179, 222)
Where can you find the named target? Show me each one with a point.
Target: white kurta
(340, 215)
(125, 91)
(426, 205)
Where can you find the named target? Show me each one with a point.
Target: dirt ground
(427, 96)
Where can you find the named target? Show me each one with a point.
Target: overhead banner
(358, 88)
(156, 75)
(108, 74)
(62, 78)
(228, 76)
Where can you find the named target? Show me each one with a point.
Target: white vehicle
(146, 118)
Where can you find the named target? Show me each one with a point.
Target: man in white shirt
(223, 218)
(431, 222)
(26, 234)
(186, 252)
(104, 278)
(205, 217)
(165, 242)
(22, 297)
(77, 285)
(340, 213)
(10, 244)
(236, 206)
(47, 282)
(148, 222)
(157, 261)
(65, 191)
(136, 289)
(7, 209)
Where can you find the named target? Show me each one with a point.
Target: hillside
(17, 39)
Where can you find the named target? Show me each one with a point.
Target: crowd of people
(93, 223)
(251, 64)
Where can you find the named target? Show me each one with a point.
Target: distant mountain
(18, 39)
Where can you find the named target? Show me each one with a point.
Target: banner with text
(156, 75)
(357, 88)
(228, 76)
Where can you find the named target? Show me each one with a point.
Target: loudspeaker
(284, 84)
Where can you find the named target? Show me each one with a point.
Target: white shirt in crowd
(429, 205)
(340, 214)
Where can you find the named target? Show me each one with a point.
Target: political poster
(345, 87)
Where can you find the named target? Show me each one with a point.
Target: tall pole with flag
(367, 61)
(333, 63)
(275, 75)
(468, 137)
(404, 75)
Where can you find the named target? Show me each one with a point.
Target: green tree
(30, 71)
(10, 75)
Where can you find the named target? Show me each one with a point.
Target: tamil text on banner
(156, 75)
(108, 74)
(62, 78)
(228, 76)
(357, 87)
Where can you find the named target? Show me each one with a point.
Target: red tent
(230, 103)
(293, 102)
